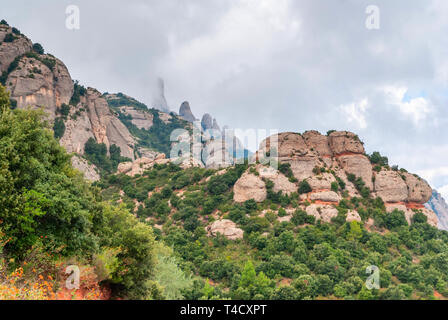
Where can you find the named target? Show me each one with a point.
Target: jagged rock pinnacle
(185, 112)
(159, 100)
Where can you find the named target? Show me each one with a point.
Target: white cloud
(444, 192)
(356, 112)
(417, 109)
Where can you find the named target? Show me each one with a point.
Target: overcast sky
(290, 65)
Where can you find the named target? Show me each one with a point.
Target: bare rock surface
(359, 165)
(225, 227)
(249, 186)
(322, 212)
(419, 190)
(353, 215)
(326, 196)
(390, 187)
(89, 170)
(345, 142)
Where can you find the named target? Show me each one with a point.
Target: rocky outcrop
(185, 112)
(10, 50)
(225, 227)
(419, 190)
(142, 120)
(322, 212)
(321, 182)
(34, 83)
(438, 205)
(390, 187)
(77, 131)
(249, 186)
(325, 196)
(342, 142)
(359, 165)
(281, 182)
(409, 213)
(140, 165)
(89, 170)
(106, 127)
(353, 215)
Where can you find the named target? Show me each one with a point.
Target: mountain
(81, 115)
(172, 214)
(440, 207)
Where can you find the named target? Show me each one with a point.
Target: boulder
(390, 187)
(249, 186)
(225, 227)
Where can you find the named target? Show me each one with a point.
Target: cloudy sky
(291, 65)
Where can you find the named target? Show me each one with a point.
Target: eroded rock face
(322, 212)
(249, 186)
(225, 227)
(345, 142)
(390, 186)
(89, 170)
(419, 190)
(77, 132)
(10, 50)
(33, 83)
(106, 127)
(359, 165)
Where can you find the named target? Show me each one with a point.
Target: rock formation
(185, 112)
(159, 100)
(249, 186)
(207, 122)
(321, 160)
(438, 204)
(225, 227)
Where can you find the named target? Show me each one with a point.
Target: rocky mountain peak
(185, 112)
(159, 100)
(207, 122)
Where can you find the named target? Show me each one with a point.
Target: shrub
(58, 128)
(9, 38)
(304, 187)
(37, 47)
